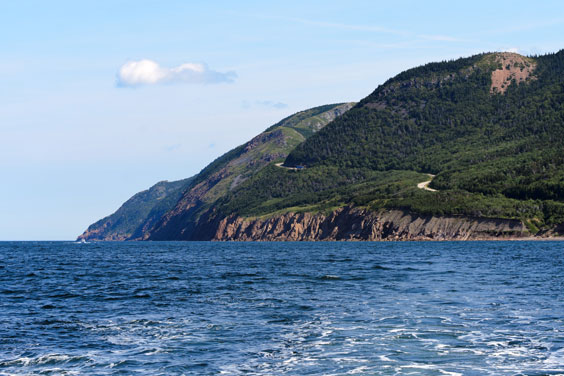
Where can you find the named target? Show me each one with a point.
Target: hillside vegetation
(234, 168)
(174, 207)
(490, 127)
(138, 214)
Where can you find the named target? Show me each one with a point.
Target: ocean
(324, 308)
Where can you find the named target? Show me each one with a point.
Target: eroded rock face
(360, 224)
(513, 67)
(182, 221)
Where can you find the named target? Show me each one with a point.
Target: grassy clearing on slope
(276, 190)
(324, 189)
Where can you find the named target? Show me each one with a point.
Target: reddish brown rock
(361, 224)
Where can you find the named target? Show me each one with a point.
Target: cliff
(488, 128)
(440, 151)
(361, 224)
(171, 210)
(220, 178)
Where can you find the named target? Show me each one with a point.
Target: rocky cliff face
(361, 224)
(171, 210)
(183, 222)
(489, 127)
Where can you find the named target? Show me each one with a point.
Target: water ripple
(476, 308)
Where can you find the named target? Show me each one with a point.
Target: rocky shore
(361, 224)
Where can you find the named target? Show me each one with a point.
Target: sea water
(175, 308)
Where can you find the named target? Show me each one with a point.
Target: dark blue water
(468, 308)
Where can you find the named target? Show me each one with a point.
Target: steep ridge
(238, 165)
(138, 214)
(135, 219)
(490, 127)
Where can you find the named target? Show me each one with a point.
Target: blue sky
(102, 99)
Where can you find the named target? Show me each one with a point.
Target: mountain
(184, 201)
(463, 149)
(138, 214)
(490, 128)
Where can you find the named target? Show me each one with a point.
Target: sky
(102, 99)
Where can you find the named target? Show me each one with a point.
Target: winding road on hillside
(287, 168)
(425, 185)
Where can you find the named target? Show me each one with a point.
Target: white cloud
(148, 72)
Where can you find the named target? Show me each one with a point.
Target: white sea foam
(450, 373)
(367, 334)
(39, 360)
(555, 359)
(357, 370)
(515, 352)
(398, 330)
(349, 360)
(384, 358)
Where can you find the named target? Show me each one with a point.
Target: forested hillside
(487, 132)
(138, 214)
(490, 127)
(171, 208)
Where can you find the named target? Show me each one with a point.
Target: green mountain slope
(490, 127)
(464, 149)
(139, 213)
(234, 168)
(184, 201)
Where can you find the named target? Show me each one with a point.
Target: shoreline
(524, 239)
